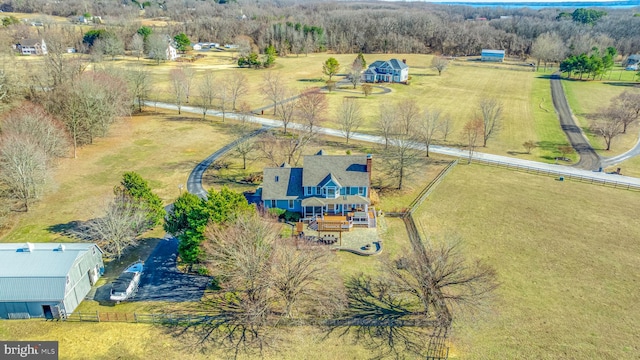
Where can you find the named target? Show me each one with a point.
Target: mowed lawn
(566, 255)
(163, 148)
(586, 98)
(457, 94)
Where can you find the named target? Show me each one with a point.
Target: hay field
(567, 257)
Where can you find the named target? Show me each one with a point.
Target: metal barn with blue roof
(492, 55)
(46, 279)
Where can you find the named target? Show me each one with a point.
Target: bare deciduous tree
(89, 105)
(240, 255)
(355, 73)
(177, 80)
(608, 125)
(367, 89)
(189, 75)
(137, 45)
(31, 121)
(139, 83)
(426, 287)
(312, 105)
(286, 148)
(286, 109)
(349, 117)
(386, 122)
(408, 114)
(491, 115)
(297, 272)
(272, 88)
(401, 156)
(472, 131)
(529, 145)
(626, 107)
(23, 168)
(206, 93)
(237, 87)
(447, 127)
(118, 228)
(429, 126)
(440, 64)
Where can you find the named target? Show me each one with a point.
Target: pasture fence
(613, 183)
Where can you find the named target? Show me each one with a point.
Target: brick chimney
(369, 166)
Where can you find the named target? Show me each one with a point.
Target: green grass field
(567, 257)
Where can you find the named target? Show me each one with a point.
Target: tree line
(309, 26)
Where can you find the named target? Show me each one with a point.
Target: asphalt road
(454, 152)
(589, 159)
(611, 161)
(161, 280)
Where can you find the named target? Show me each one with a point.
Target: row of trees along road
(264, 282)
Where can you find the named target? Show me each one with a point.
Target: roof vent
(59, 248)
(27, 247)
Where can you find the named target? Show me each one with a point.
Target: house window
(93, 250)
(277, 178)
(362, 190)
(307, 190)
(291, 205)
(273, 203)
(331, 192)
(318, 190)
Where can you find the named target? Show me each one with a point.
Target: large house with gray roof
(46, 280)
(325, 185)
(392, 71)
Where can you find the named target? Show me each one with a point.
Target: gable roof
(287, 186)
(38, 272)
(30, 42)
(397, 64)
(41, 260)
(348, 170)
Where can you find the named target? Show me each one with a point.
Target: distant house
(171, 53)
(45, 279)
(632, 62)
(231, 46)
(337, 185)
(197, 46)
(32, 47)
(393, 71)
(492, 55)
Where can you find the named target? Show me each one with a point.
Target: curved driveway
(589, 159)
(194, 183)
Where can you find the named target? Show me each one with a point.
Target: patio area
(360, 241)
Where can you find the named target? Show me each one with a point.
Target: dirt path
(589, 159)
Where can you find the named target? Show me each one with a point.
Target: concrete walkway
(443, 150)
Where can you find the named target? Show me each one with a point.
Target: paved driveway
(161, 280)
